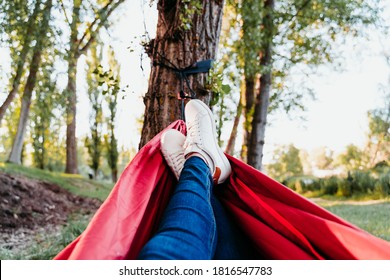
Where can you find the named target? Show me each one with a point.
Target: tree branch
(295, 15)
(63, 9)
(99, 21)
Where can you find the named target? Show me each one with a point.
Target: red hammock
(279, 223)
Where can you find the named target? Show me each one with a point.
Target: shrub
(362, 182)
(302, 184)
(329, 185)
(382, 185)
(344, 188)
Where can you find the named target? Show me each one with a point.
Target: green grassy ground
(74, 183)
(371, 216)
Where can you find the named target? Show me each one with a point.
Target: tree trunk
(30, 25)
(71, 142)
(182, 48)
(16, 152)
(256, 144)
(114, 175)
(250, 95)
(73, 55)
(233, 135)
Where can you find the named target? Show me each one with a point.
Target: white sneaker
(172, 142)
(202, 139)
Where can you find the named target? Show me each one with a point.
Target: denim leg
(231, 244)
(187, 229)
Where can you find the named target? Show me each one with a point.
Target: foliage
(356, 183)
(286, 163)
(382, 185)
(221, 93)
(323, 157)
(45, 124)
(20, 29)
(308, 33)
(378, 146)
(187, 9)
(104, 87)
(305, 34)
(353, 158)
(47, 105)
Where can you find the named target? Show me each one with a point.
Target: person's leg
(231, 243)
(187, 229)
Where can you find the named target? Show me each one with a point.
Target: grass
(73, 183)
(371, 216)
(45, 246)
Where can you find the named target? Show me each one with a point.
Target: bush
(361, 182)
(301, 184)
(344, 188)
(356, 183)
(329, 185)
(382, 185)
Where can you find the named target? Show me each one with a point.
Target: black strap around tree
(199, 67)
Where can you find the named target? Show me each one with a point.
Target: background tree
(87, 20)
(285, 36)
(379, 134)
(40, 45)
(286, 163)
(379, 127)
(322, 157)
(94, 142)
(46, 126)
(353, 158)
(187, 31)
(19, 23)
(110, 140)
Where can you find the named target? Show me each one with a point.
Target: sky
(336, 118)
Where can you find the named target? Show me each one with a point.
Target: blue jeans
(194, 224)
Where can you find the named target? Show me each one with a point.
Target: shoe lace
(177, 160)
(193, 134)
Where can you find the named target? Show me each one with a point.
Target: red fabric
(279, 223)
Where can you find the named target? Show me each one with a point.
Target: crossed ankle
(215, 173)
(196, 154)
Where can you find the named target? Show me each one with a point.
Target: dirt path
(326, 202)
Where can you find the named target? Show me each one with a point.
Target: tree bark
(233, 135)
(73, 55)
(255, 148)
(71, 142)
(250, 96)
(21, 60)
(114, 175)
(182, 48)
(17, 147)
(16, 152)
